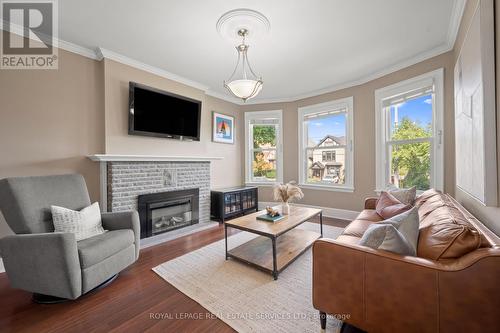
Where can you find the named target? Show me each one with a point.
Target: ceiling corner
(456, 18)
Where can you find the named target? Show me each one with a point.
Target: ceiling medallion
(243, 24)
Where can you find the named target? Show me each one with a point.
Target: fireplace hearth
(166, 211)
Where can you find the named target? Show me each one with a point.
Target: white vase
(285, 208)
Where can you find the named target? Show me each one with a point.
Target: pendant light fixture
(243, 83)
(239, 27)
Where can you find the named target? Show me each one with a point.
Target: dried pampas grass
(287, 192)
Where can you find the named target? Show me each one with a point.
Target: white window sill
(333, 188)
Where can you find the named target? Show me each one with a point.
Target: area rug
(248, 299)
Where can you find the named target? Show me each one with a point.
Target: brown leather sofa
(453, 285)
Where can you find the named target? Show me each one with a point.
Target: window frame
(249, 149)
(342, 103)
(382, 127)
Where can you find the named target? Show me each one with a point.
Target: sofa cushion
(95, 249)
(445, 232)
(423, 197)
(388, 206)
(370, 215)
(386, 237)
(357, 228)
(407, 223)
(447, 241)
(405, 195)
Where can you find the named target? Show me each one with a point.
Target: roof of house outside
(340, 140)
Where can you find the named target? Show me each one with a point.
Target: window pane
(411, 119)
(411, 165)
(264, 166)
(326, 131)
(330, 171)
(264, 136)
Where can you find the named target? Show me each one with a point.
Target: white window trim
(279, 146)
(348, 103)
(381, 126)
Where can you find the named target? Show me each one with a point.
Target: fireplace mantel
(151, 158)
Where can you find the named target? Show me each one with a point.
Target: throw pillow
(407, 224)
(386, 237)
(84, 224)
(405, 195)
(388, 206)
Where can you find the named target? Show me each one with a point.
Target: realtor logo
(29, 36)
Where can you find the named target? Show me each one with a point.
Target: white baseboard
(336, 213)
(2, 269)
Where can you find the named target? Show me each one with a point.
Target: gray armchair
(47, 263)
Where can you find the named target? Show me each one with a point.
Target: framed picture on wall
(222, 128)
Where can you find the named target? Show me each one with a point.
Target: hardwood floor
(127, 304)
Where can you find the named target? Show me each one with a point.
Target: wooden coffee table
(286, 243)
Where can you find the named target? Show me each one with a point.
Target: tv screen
(154, 112)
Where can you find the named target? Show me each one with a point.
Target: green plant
(263, 135)
(412, 161)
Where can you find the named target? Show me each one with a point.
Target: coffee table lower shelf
(258, 252)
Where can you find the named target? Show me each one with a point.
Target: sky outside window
(418, 111)
(323, 126)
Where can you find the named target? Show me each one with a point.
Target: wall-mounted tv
(153, 112)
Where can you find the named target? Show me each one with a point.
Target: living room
(250, 166)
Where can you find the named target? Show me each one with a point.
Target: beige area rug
(246, 298)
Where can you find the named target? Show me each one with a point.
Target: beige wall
(50, 120)
(488, 215)
(226, 172)
(364, 135)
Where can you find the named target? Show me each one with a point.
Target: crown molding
(225, 97)
(103, 53)
(77, 49)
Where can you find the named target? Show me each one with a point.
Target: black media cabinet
(231, 202)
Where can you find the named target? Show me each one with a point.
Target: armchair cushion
(84, 224)
(95, 249)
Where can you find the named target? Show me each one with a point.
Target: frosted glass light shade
(245, 88)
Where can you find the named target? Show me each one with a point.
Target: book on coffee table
(268, 218)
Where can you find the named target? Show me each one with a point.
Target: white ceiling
(314, 45)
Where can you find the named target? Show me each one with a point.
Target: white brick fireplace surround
(124, 177)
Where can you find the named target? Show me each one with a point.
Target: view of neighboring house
(327, 162)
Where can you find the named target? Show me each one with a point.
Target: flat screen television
(153, 112)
